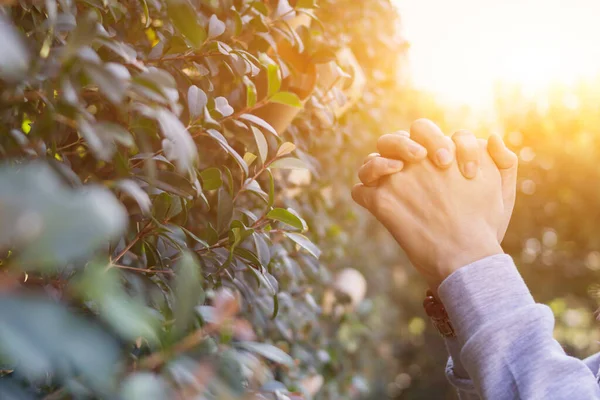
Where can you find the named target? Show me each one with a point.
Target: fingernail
(416, 149)
(470, 169)
(395, 164)
(443, 157)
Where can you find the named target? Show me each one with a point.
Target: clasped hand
(447, 201)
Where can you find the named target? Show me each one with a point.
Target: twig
(137, 237)
(155, 271)
(155, 360)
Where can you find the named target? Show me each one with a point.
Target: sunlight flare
(461, 50)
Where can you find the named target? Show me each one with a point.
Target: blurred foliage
(172, 233)
(554, 234)
(176, 178)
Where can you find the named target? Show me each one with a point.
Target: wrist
(461, 257)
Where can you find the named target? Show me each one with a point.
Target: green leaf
(14, 62)
(103, 136)
(43, 338)
(146, 13)
(128, 316)
(187, 290)
(247, 255)
(133, 190)
(222, 106)
(216, 27)
(178, 144)
(171, 182)
(197, 100)
(262, 249)
(259, 122)
(254, 187)
(249, 158)
(271, 189)
(54, 224)
(223, 142)
(185, 19)
(283, 215)
(268, 351)
(275, 306)
(287, 98)
(145, 386)
(304, 243)
(211, 178)
(273, 79)
(285, 149)
(83, 35)
(289, 163)
(261, 144)
(306, 4)
(112, 83)
(224, 210)
(166, 206)
(250, 92)
(194, 237)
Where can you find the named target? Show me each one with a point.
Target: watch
(438, 315)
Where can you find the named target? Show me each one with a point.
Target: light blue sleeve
(504, 346)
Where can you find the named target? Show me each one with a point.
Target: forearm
(506, 338)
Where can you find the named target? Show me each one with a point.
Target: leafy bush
(157, 201)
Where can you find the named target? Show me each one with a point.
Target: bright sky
(460, 48)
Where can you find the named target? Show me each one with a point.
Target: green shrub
(161, 239)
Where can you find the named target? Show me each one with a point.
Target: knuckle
(370, 157)
(464, 136)
(420, 124)
(384, 141)
(364, 173)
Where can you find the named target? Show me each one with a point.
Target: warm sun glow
(462, 48)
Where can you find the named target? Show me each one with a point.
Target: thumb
(507, 163)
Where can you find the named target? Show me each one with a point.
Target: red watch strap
(438, 315)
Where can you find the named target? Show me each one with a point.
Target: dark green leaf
(113, 86)
(184, 17)
(282, 215)
(145, 386)
(187, 290)
(126, 315)
(61, 224)
(275, 306)
(166, 207)
(211, 178)
(262, 249)
(223, 142)
(178, 144)
(14, 62)
(36, 332)
(224, 210)
(134, 191)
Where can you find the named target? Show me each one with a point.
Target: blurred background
(297, 291)
(529, 71)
